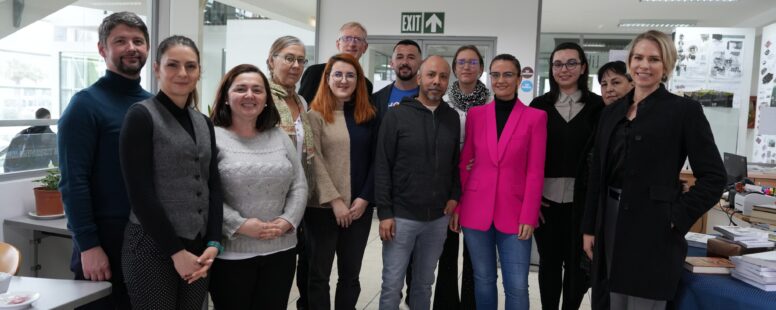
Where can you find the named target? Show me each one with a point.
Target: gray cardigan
(262, 178)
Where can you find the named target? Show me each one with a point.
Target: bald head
(433, 77)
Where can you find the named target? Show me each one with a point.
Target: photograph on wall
(764, 146)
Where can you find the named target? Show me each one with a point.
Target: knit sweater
(262, 178)
(92, 186)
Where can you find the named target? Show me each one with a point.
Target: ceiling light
(593, 44)
(654, 23)
(688, 0)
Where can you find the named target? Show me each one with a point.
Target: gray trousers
(424, 241)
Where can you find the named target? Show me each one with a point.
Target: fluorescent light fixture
(655, 23)
(593, 44)
(688, 0)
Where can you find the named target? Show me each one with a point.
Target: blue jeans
(422, 240)
(515, 256)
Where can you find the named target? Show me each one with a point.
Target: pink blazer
(504, 186)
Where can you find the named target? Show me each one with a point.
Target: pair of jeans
(515, 257)
(325, 239)
(422, 240)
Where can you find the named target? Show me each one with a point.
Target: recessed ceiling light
(655, 23)
(593, 44)
(688, 0)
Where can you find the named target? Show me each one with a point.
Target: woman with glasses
(636, 213)
(285, 62)
(265, 194)
(344, 129)
(572, 113)
(502, 166)
(465, 93)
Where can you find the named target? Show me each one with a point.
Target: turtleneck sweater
(92, 185)
(503, 109)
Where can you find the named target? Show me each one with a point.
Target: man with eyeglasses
(352, 40)
(405, 62)
(417, 185)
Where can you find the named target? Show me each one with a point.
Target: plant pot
(47, 201)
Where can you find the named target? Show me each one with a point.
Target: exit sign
(422, 22)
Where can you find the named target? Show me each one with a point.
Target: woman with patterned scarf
(286, 63)
(467, 92)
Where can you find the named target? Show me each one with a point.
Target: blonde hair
(277, 46)
(353, 24)
(667, 51)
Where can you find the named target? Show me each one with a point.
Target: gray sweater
(262, 178)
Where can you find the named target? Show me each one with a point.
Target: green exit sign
(422, 22)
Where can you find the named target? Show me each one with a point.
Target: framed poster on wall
(764, 145)
(714, 67)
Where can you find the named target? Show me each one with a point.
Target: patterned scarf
(279, 95)
(463, 102)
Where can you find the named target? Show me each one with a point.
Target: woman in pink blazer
(502, 172)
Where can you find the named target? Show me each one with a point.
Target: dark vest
(181, 170)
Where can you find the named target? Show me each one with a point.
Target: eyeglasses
(506, 75)
(290, 59)
(339, 76)
(352, 39)
(462, 62)
(570, 65)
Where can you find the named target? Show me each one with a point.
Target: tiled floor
(371, 274)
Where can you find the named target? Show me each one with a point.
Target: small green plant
(51, 180)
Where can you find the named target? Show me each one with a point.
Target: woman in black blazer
(636, 214)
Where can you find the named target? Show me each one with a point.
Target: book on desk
(758, 270)
(712, 265)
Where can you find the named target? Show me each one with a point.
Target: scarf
(463, 102)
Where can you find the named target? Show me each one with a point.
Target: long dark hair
(221, 115)
(581, 83)
(184, 41)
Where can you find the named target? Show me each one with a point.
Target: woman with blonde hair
(344, 126)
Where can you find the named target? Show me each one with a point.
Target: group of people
(169, 204)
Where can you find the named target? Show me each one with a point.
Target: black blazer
(654, 214)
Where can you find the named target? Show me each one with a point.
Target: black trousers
(302, 266)
(446, 290)
(261, 282)
(324, 240)
(554, 242)
(151, 278)
(111, 235)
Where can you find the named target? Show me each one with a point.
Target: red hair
(325, 101)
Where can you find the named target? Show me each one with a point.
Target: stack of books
(748, 237)
(713, 265)
(758, 270)
(697, 240)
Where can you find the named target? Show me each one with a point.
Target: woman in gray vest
(265, 194)
(168, 158)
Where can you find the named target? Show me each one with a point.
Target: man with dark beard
(405, 62)
(92, 186)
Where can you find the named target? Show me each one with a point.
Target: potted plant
(48, 200)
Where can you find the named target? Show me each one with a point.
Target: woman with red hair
(344, 127)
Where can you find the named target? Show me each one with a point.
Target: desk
(60, 294)
(711, 291)
(40, 229)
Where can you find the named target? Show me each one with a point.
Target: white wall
(514, 23)
(248, 41)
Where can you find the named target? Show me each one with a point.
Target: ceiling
(603, 16)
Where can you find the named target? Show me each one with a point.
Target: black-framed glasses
(462, 62)
(290, 59)
(352, 39)
(570, 65)
(339, 76)
(506, 75)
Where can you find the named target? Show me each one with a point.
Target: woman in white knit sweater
(265, 193)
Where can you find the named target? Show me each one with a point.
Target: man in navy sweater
(92, 186)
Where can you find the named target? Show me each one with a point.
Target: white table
(60, 294)
(40, 229)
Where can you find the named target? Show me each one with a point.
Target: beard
(130, 69)
(405, 77)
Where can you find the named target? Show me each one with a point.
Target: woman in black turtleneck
(499, 208)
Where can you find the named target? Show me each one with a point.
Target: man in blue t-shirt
(405, 62)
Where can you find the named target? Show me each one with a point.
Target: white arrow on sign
(435, 22)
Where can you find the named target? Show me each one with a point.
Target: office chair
(10, 258)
